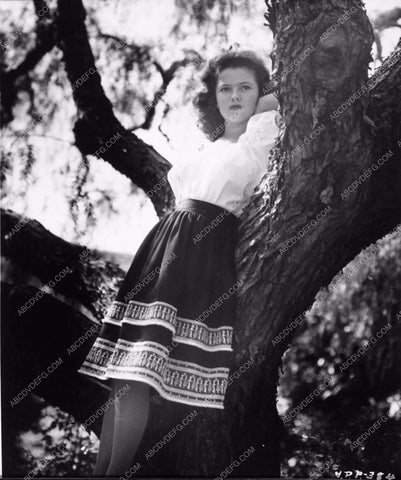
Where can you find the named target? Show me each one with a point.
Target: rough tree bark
(280, 286)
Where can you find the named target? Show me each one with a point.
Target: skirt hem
(149, 381)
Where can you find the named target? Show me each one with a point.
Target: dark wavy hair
(210, 120)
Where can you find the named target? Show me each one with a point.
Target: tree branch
(44, 43)
(167, 76)
(97, 123)
(36, 252)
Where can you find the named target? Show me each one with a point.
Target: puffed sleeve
(260, 135)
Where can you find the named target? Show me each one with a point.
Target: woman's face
(237, 86)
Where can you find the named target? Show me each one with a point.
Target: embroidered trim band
(148, 361)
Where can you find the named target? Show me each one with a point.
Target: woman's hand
(266, 103)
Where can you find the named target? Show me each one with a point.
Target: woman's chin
(237, 116)
(239, 119)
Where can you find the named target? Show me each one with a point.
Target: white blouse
(226, 173)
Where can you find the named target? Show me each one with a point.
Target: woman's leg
(131, 415)
(106, 437)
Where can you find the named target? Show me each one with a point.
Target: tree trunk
(282, 276)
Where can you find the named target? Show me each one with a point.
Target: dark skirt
(171, 322)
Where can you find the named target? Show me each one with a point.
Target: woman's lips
(235, 107)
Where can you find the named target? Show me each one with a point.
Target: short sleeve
(262, 128)
(260, 134)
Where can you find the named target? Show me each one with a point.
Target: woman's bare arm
(266, 103)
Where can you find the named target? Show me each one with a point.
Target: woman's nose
(235, 95)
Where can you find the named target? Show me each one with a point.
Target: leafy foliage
(53, 444)
(345, 316)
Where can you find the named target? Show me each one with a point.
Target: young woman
(169, 331)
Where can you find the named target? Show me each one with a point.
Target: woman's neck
(232, 131)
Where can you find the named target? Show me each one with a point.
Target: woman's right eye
(223, 89)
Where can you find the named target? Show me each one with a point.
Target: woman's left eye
(246, 87)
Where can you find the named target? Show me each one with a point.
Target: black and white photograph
(201, 239)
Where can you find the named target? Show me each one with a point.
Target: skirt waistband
(209, 210)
